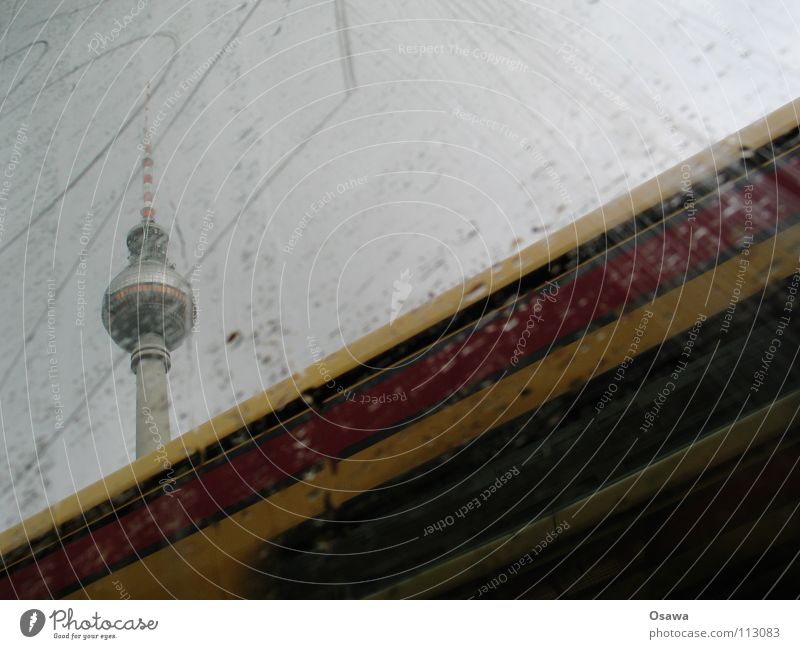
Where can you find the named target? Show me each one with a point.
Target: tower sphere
(149, 296)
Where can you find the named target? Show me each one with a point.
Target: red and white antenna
(148, 211)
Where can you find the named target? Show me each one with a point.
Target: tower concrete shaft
(150, 361)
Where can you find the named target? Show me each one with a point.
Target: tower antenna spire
(148, 211)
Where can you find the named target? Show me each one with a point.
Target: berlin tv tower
(148, 310)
